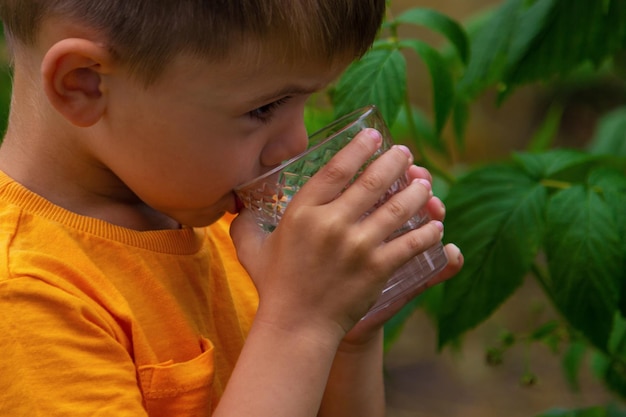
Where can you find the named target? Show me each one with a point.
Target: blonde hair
(147, 34)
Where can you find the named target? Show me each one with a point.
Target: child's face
(184, 143)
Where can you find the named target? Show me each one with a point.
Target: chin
(216, 218)
(210, 214)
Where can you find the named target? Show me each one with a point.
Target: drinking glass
(267, 196)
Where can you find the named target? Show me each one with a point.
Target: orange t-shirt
(99, 320)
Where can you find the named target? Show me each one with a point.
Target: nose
(288, 141)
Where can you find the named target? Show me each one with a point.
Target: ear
(72, 72)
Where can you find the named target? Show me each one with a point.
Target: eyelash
(265, 113)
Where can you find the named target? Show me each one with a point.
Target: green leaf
(599, 411)
(561, 164)
(531, 21)
(617, 341)
(610, 136)
(378, 78)
(460, 120)
(526, 41)
(402, 129)
(544, 136)
(585, 261)
(615, 377)
(441, 23)
(489, 50)
(571, 363)
(431, 301)
(316, 117)
(612, 410)
(496, 216)
(443, 84)
(555, 37)
(612, 367)
(394, 327)
(611, 184)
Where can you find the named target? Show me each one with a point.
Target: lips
(238, 204)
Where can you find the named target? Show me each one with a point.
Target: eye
(265, 113)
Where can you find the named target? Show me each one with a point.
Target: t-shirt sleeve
(61, 356)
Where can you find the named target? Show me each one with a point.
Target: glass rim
(363, 112)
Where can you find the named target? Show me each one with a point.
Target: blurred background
(465, 381)
(461, 382)
(5, 84)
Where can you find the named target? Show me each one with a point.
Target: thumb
(247, 237)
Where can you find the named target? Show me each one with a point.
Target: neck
(54, 167)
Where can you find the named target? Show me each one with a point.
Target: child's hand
(324, 266)
(367, 329)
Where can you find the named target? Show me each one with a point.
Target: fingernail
(459, 254)
(438, 225)
(426, 184)
(406, 151)
(375, 135)
(441, 206)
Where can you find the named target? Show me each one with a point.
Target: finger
(453, 267)
(395, 253)
(247, 237)
(435, 209)
(333, 177)
(416, 171)
(398, 210)
(374, 184)
(455, 263)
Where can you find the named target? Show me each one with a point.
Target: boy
(120, 291)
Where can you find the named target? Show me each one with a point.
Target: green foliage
(528, 41)
(5, 97)
(5, 90)
(558, 215)
(572, 362)
(380, 77)
(439, 23)
(495, 215)
(610, 138)
(585, 259)
(564, 202)
(609, 411)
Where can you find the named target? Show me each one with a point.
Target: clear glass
(268, 196)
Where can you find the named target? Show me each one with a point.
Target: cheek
(209, 174)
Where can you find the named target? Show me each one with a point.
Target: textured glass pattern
(269, 195)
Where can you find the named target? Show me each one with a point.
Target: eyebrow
(287, 91)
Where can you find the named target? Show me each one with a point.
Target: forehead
(256, 74)
(281, 50)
